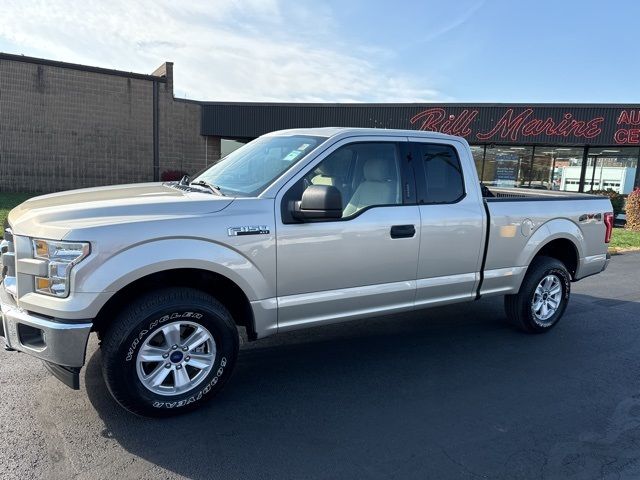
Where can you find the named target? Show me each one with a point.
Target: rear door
(452, 222)
(362, 264)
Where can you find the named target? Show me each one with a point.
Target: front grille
(8, 262)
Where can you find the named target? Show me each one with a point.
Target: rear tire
(542, 298)
(169, 351)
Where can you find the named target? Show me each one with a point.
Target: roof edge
(417, 104)
(76, 66)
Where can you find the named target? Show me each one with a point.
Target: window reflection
(611, 168)
(557, 168)
(478, 158)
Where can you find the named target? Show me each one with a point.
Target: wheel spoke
(197, 338)
(181, 377)
(201, 360)
(158, 376)
(172, 334)
(544, 311)
(537, 305)
(547, 298)
(149, 353)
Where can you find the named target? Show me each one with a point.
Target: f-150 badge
(248, 230)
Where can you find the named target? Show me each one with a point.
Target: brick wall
(64, 126)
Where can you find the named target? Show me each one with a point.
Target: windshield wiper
(214, 188)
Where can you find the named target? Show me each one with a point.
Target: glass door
(611, 168)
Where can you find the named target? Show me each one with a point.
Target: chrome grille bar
(8, 262)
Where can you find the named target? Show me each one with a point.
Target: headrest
(377, 170)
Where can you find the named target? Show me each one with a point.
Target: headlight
(60, 257)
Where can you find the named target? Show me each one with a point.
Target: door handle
(403, 231)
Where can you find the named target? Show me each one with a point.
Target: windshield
(251, 168)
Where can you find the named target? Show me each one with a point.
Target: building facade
(574, 147)
(66, 126)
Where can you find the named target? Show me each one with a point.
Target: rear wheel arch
(222, 288)
(563, 250)
(559, 238)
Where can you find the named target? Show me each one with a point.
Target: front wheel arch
(225, 290)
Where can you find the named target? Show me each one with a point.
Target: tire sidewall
(130, 388)
(565, 283)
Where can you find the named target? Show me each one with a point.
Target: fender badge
(248, 230)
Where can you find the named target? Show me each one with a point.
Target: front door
(362, 264)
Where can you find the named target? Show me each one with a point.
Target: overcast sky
(359, 50)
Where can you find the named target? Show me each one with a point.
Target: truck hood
(55, 215)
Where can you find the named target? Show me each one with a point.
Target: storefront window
(611, 168)
(557, 168)
(507, 166)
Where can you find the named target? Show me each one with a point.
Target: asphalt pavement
(453, 392)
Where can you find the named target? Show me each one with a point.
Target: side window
(366, 174)
(444, 181)
(335, 170)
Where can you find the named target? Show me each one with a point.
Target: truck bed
(521, 220)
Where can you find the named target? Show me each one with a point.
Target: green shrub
(633, 210)
(617, 199)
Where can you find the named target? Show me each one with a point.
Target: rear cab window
(440, 173)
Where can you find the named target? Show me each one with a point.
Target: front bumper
(51, 340)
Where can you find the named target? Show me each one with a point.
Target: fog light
(30, 336)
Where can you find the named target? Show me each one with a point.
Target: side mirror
(318, 202)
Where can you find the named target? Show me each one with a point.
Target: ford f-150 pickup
(295, 229)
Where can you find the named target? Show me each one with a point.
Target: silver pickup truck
(295, 229)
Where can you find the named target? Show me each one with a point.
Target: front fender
(115, 271)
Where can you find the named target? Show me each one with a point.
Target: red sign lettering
(520, 126)
(437, 120)
(511, 127)
(631, 117)
(627, 136)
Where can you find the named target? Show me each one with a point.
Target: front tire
(169, 351)
(542, 298)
